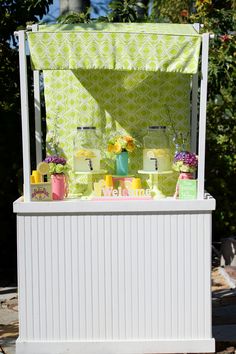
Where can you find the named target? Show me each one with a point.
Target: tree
(118, 11)
(14, 15)
(73, 6)
(218, 17)
(172, 10)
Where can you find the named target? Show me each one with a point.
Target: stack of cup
(136, 183)
(36, 177)
(109, 181)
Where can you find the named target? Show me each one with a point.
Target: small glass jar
(87, 154)
(156, 152)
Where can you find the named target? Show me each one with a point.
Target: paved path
(8, 320)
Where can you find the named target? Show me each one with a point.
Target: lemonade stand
(112, 257)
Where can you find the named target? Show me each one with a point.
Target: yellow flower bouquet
(121, 143)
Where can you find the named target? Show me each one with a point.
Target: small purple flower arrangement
(57, 165)
(185, 161)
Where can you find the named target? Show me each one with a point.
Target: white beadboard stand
(103, 278)
(114, 278)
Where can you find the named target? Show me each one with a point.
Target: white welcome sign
(100, 190)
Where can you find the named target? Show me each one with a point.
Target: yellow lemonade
(157, 160)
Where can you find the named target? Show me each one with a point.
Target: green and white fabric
(127, 100)
(149, 47)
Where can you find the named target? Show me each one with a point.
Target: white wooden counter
(114, 277)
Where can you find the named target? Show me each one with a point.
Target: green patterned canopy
(129, 46)
(146, 85)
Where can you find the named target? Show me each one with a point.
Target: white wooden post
(24, 115)
(194, 120)
(37, 111)
(202, 116)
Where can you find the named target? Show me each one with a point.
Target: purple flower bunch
(55, 159)
(185, 161)
(189, 158)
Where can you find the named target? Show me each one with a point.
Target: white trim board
(82, 206)
(116, 347)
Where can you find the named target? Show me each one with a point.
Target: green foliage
(171, 10)
(75, 17)
(218, 18)
(125, 11)
(15, 14)
(119, 11)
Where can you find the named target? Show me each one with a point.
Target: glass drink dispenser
(87, 155)
(156, 153)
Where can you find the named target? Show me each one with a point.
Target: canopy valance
(129, 46)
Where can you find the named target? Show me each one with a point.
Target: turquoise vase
(122, 164)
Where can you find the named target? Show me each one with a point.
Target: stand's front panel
(121, 283)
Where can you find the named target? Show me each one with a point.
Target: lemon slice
(84, 153)
(162, 152)
(128, 184)
(150, 154)
(43, 168)
(102, 183)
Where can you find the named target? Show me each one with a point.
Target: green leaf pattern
(145, 47)
(124, 100)
(114, 101)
